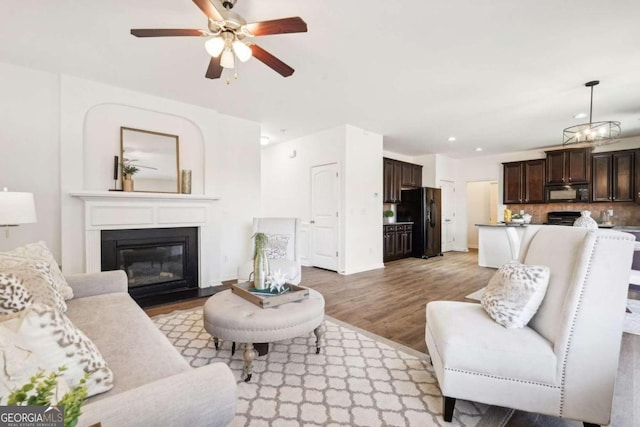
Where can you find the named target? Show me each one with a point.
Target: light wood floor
(389, 302)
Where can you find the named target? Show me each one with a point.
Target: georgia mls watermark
(32, 416)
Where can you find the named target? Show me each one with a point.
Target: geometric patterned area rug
(358, 379)
(631, 318)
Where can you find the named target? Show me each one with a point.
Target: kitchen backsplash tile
(623, 213)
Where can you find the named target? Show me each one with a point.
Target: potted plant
(128, 170)
(260, 262)
(389, 216)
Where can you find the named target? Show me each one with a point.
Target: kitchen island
(494, 249)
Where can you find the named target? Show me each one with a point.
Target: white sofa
(153, 384)
(564, 362)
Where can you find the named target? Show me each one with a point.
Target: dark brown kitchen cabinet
(612, 178)
(524, 182)
(398, 175)
(636, 189)
(398, 241)
(569, 166)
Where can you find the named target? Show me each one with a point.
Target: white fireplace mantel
(117, 210)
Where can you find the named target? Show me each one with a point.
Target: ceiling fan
(226, 35)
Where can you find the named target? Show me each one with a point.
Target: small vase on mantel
(260, 262)
(585, 220)
(127, 183)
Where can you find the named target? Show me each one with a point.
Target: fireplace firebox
(157, 261)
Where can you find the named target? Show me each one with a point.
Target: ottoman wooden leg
(216, 342)
(319, 331)
(249, 355)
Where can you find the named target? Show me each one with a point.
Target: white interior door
(325, 205)
(448, 215)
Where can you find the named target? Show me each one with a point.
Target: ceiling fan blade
(208, 9)
(277, 26)
(166, 32)
(215, 69)
(271, 61)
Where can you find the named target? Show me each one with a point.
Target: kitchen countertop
(400, 223)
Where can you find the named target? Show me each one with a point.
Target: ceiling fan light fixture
(214, 46)
(243, 52)
(595, 133)
(227, 60)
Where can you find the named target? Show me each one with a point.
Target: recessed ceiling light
(580, 115)
(452, 138)
(264, 140)
(479, 149)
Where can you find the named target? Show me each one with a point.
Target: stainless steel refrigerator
(422, 206)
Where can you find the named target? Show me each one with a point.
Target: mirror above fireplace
(156, 155)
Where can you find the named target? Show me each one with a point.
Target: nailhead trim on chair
(501, 378)
(575, 315)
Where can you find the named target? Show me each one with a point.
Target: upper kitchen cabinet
(612, 178)
(398, 175)
(523, 182)
(569, 166)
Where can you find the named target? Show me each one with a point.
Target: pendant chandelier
(595, 133)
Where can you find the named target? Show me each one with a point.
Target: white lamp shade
(243, 52)
(226, 60)
(16, 208)
(214, 46)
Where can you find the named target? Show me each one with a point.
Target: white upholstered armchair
(283, 229)
(564, 362)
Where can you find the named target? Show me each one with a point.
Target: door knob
(312, 222)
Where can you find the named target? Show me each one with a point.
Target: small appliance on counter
(562, 217)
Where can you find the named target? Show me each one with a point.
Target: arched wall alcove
(101, 142)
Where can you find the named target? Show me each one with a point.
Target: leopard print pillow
(56, 341)
(36, 277)
(515, 292)
(14, 296)
(276, 247)
(37, 252)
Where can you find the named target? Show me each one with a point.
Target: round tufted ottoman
(230, 317)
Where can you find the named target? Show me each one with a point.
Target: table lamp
(15, 209)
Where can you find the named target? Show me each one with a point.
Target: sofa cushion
(14, 296)
(37, 252)
(467, 339)
(37, 279)
(514, 293)
(136, 351)
(57, 342)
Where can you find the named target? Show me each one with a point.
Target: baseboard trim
(363, 269)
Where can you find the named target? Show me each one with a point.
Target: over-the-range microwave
(567, 193)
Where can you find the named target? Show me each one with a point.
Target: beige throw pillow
(35, 252)
(38, 281)
(56, 341)
(515, 293)
(14, 296)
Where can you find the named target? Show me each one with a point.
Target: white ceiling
(503, 75)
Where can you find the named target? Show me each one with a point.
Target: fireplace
(157, 261)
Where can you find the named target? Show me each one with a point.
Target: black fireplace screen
(156, 261)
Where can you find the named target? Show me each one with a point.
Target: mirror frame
(177, 138)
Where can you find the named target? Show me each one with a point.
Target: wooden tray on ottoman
(296, 293)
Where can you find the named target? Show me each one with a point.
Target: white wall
(478, 196)
(363, 199)
(229, 148)
(29, 150)
(286, 188)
